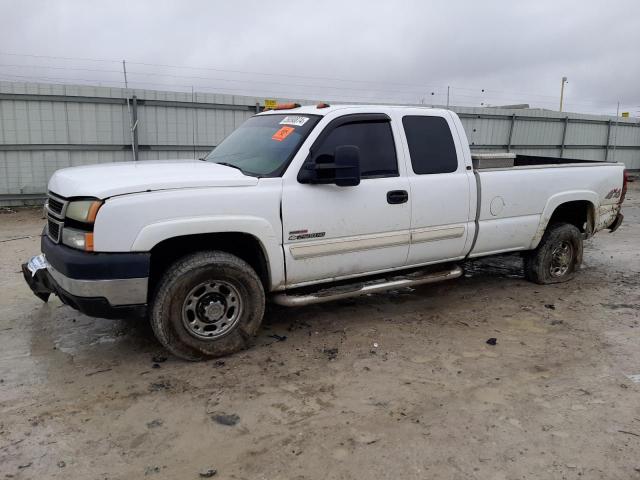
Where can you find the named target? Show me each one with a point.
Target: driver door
(332, 232)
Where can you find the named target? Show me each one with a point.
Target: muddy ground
(398, 385)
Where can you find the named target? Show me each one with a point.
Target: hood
(107, 180)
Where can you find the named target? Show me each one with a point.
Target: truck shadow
(488, 274)
(75, 334)
(501, 266)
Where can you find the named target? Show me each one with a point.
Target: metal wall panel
(625, 135)
(483, 131)
(630, 158)
(45, 127)
(542, 152)
(585, 153)
(587, 134)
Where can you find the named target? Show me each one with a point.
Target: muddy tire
(557, 257)
(207, 304)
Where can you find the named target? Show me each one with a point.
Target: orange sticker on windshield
(283, 133)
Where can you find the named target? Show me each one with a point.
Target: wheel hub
(561, 259)
(211, 309)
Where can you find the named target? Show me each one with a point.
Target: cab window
(430, 144)
(375, 140)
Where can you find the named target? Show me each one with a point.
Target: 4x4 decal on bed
(615, 193)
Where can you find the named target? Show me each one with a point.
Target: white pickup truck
(302, 205)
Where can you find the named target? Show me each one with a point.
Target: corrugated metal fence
(553, 134)
(44, 127)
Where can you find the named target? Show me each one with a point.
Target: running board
(363, 288)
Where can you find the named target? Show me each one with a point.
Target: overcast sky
(394, 50)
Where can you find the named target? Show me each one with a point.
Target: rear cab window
(431, 144)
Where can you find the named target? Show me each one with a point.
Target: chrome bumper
(126, 291)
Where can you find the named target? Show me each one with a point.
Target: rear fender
(560, 198)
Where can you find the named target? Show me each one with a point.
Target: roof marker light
(322, 105)
(284, 106)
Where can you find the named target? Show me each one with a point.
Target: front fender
(261, 229)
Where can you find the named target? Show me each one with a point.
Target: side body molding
(260, 228)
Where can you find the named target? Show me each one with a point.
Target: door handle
(397, 196)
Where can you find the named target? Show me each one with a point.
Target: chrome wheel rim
(211, 309)
(561, 259)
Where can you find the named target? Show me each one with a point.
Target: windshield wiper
(248, 174)
(230, 165)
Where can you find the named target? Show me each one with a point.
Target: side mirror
(347, 164)
(341, 168)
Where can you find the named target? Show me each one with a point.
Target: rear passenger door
(441, 217)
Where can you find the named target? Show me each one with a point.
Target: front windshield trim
(278, 172)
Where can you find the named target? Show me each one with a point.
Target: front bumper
(100, 285)
(42, 284)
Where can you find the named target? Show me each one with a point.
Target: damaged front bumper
(86, 282)
(36, 275)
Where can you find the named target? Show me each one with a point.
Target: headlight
(83, 210)
(77, 239)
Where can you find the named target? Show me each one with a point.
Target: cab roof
(314, 110)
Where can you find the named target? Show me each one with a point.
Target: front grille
(53, 230)
(56, 210)
(55, 206)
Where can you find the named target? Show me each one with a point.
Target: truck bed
(515, 203)
(529, 160)
(483, 161)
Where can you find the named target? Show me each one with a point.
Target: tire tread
(535, 261)
(227, 263)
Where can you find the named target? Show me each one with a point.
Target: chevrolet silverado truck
(303, 205)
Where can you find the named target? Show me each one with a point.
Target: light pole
(564, 80)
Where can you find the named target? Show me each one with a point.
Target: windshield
(265, 144)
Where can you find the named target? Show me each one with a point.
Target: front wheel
(208, 304)
(557, 257)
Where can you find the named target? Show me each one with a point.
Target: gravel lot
(400, 385)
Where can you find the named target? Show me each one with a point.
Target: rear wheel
(557, 257)
(207, 304)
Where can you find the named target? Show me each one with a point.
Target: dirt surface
(399, 386)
